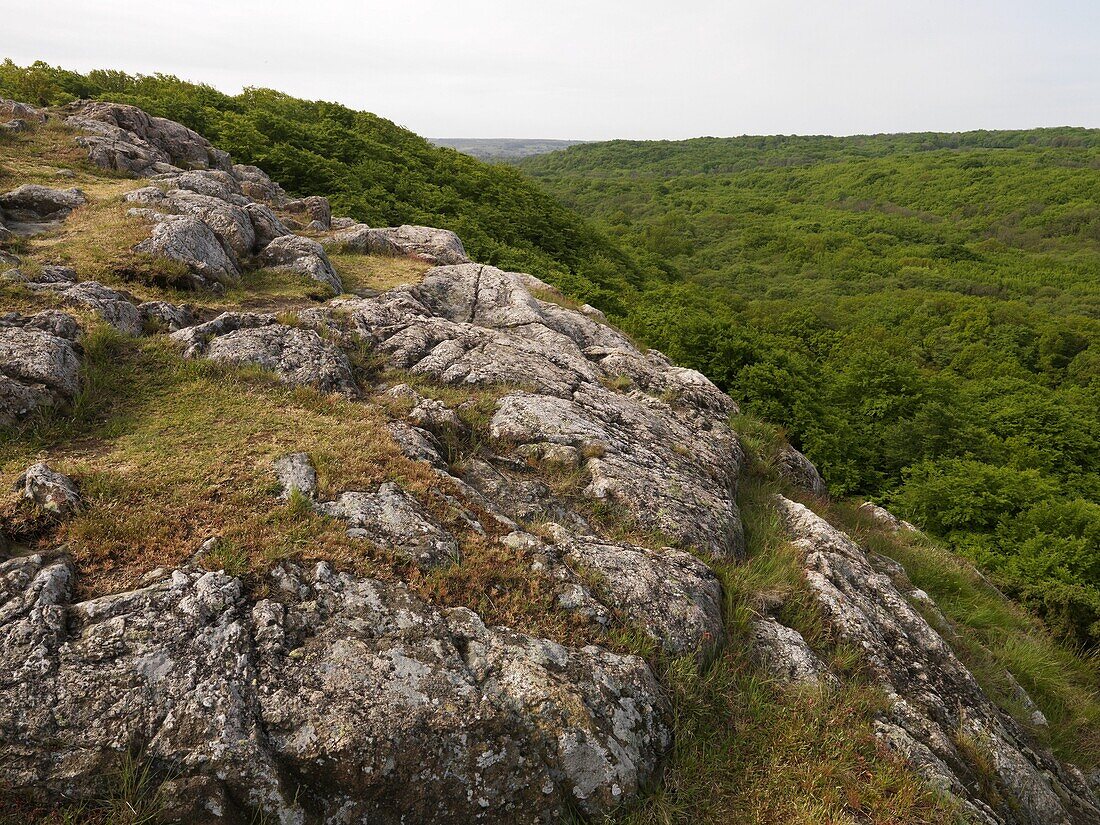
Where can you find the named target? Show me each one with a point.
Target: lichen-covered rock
(295, 472)
(114, 307)
(304, 256)
(165, 316)
(884, 518)
(662, 451)
(436, 246)
(53, 321)
(257, 185)
(189, 241)
(297, 356)
(395, 521)
(800, 471)
(784, 655)
(32, 209)
(12, 109)
(51, 491)
(126, 139)
(938, 712)
(670, 594)
(265, 224)
(37, 369)
(32, 202)
(338, 699)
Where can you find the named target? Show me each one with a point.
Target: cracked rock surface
(381, 708)
(936, 705)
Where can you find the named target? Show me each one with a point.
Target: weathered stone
(256, 184)
(295, 472)
(784, 655)
(228, 698)
(189, 241)
(436, 246)
(114, 307)
(49, 490)
(670, 594)
(297, 356)
(884, 518)
(934, 700)
(53, 321)
(800, 471)
(31, 207)
(37, 369)
(166, 317)
(395, 521)
(315, 208)
(126, 139)
(265, 224)
(304, 256)
(11, 109)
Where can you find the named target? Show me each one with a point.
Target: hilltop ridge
(319, 521)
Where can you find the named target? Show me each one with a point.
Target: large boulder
(189, 241)
(436, 246)
(302, 255)
(34, 202)
(335, 699)
(37, 369)
(126, 139)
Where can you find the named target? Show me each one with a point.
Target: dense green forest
(921, 313)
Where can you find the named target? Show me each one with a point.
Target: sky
(596, 69)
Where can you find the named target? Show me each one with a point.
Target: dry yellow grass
(377, 271)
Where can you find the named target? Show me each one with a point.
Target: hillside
(309, 520)
(920, 313)
(503, 149)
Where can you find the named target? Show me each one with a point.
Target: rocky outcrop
(31, 208)
(335, 699)
(38, 369)
(392, 518)
(126, 139)
(938, 713)
(298, 356)
(302, 255)
(436, 246)
(663, 451)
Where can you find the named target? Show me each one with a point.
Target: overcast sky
(597, 69)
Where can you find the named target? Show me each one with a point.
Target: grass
(380, 272)
(748, 750)
(992, 635)
(128, 797)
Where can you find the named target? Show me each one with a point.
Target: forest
(918, 313)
